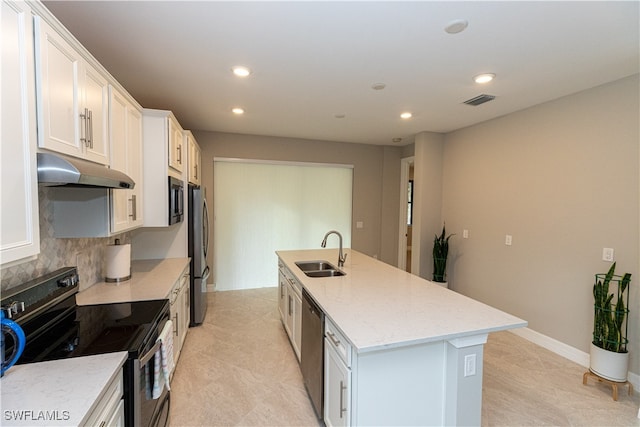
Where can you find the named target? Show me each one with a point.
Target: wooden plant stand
(614, 384)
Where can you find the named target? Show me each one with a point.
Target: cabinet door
(282, 296)
(19, 228)
(194, 159)
(95, 109)
(176, 146)
(118, 133)
(125, 132)
(135, 165)
(72, 99)
(58, 91)
(337, 388)
(185, 310)
(297, 324)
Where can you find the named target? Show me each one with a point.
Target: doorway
(405, 233)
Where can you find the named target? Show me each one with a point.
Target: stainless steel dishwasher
(312, 351)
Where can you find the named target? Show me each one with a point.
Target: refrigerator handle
(205, 274)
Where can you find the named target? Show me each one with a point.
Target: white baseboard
(564, 350)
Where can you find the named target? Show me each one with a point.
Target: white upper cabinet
(19, 232)
(177, 155)
(194, 161)
(160, 131)
(125, 122)
(72, 99)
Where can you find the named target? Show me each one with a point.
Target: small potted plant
(440, 253)
(609, 356)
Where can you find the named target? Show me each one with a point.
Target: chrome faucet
(341, 257)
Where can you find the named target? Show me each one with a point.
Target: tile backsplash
(85, 253)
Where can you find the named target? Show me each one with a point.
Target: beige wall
(427, 198)
(563, 179)
(376, 183)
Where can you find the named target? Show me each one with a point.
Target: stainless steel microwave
(176, 200)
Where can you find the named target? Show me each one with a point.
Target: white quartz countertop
(379, 306)
(57, 393)
(150, 280)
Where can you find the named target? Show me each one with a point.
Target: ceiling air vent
(480, 99)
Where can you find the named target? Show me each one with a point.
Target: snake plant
(610, 319)
(440, 253)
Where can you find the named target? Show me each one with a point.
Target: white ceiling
(313, 60)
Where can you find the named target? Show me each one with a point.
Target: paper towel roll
(118, 263)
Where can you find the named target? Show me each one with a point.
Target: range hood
(58, 170)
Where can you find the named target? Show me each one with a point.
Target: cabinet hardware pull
(175, 331)
(342, 389)
(85, 127)
(134, 210)
(103, 423)
(290, 310)
(90, 129)
(179, 154)
(196, 173)
(281, 290)
(333, 338)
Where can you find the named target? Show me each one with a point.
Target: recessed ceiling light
(396, 140)
(340, 116)
(406, 115)
(237, 110)
(378, 86)
(484, 78)
(456, 26)
(241, 71)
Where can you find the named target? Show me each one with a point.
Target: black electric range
(56, 327)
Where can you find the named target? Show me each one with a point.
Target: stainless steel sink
(319, 269)
(324, 273)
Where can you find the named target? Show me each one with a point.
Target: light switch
(607, 254)
(359, 224)
(508, 239)
(465, 234)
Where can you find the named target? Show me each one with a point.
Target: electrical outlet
(607, 254)
(469, 365)
(508, 239)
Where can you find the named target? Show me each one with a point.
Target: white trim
(469, 341)
(405, 167)
(282, 162)
(578, 356)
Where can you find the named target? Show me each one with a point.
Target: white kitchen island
(414, 350)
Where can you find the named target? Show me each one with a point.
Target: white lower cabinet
(337, 378)
(290, 307)
(109, 410)
(282, 295)
(179, 307)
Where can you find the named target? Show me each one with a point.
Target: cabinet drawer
(108, 403)
(338, 341)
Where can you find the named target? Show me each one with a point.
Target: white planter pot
(609, 364)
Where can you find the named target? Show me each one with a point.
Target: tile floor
(238, 369)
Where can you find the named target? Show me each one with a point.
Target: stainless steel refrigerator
(198, 246)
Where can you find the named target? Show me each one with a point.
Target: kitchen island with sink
(399, 350)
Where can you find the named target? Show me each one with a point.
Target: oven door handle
(144, 359)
